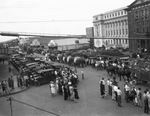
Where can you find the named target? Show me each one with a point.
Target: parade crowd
(131, 93)
(8, 85)
(65, 84)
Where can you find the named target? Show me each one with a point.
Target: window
(112, 15)
(118, 13)
(115, 14)
(142, 13)
(119, 23)
(147, 29)
(136, 15)
(114, 32)
(146, 14)
(111, 32)
(121, 12)
(126, 22)
(137, 24)
(123, 31)
(126, 31)
(116, 24)
(137, 30)
(122, 23)
(117, 32)
(120, 31)
(143, 30)
(106, 33)
(143, 23)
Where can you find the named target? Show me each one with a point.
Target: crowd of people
(65, 84)
(8, 85)
(131, 93)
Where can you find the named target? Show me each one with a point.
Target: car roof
(44, 70)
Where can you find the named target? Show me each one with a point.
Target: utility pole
(10, 99)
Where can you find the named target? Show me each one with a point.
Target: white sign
(23, 40)
(52, 43)
(98, 42)
(35, 42)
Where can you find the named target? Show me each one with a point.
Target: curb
(15, 92)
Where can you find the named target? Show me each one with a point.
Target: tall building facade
(139, 26)
(111, 29)
(90, 34)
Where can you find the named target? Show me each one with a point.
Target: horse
(124, 72)
(111, 70)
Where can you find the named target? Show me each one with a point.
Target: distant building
(139, 26)
(90, 35)
(111, 28)
(4, 48)
(62, 43)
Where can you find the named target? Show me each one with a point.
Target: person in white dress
(52, 88)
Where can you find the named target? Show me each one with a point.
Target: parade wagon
(141, 71)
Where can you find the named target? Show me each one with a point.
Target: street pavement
(89, 104)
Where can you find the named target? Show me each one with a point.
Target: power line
(47, 21)
(12, 99)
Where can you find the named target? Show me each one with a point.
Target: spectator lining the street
(82, 73)
(119, 99)
(146, 105)
(126, 90)
(102, 87)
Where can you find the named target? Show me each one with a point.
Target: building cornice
(102, 21)
(134, 5)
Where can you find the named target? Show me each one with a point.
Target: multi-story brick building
(139, 25)
(111, 28)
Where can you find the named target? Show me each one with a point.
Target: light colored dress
(53, 91)
(57, 87)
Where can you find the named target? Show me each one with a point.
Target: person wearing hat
(102, 87)
(126, 91)
(65, 92)
(119, 93)
(76, 95)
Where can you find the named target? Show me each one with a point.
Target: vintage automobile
(46, 75)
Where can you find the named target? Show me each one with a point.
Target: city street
(89, 104)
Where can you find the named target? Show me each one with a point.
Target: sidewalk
(5, 74)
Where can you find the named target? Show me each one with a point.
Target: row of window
(112, 15)
(141, 6)
(141, 23)
(116, 24)
(141, 13)
(117, 32)
(117, 41)
(143, 30)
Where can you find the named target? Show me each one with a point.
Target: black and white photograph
(74, 57)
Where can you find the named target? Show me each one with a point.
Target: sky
(53, 16)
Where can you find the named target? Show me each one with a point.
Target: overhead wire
(12, 99)
(45, 21)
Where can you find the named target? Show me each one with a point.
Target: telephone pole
(11, 109)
